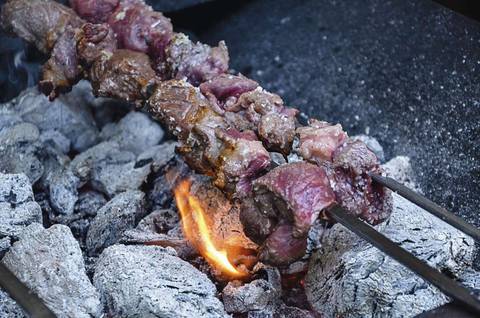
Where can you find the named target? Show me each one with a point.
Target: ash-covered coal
(348, 277)
(50, 262)
(151, 281)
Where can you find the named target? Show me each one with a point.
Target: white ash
(372, 144)
(159, 155)
(9, 308)
(150, 281)
(19, 149)
(17, 206)
(49, 261)
(56, 139)
(136, 132)
(69, 114)
(256, 295)
(120, 214)
(350, 278)
(109, 169)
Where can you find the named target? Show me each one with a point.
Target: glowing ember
(197, 231)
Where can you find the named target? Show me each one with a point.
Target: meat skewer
(223, 125)
(218, 124)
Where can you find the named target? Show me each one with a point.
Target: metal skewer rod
(447, 285)
(429, 206)
(33, 306)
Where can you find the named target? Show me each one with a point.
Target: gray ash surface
(404, 72)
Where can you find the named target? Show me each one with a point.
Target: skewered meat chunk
(224, 90)
(93, 41)
(297, 191)
(354, 188)
(319, 140)
(125, 75)
(196, 62)
(62, 70)
(172, 101)
(141, 29)
(282, 247)
(40, 22)
(220, 134)
(207, 142)
(95, 11)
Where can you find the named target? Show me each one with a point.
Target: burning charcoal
(9, 307)
(256, 295)
(17, 206)
(372, 144)
(19, 148)
(160, 228)
(109, 169)
(159, 155)
(349, 277)
(135, 132)
(167, 178)
(49, 261)
(68, 114)
(119, 214)
(89, 203)
(149, 281)
(160, 221)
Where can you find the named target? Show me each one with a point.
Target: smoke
(20, 67)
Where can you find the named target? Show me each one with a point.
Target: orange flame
(196, 230)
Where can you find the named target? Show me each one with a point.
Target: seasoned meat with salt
(354, 188)
(62, 70)
(141, 29)
(319, 140)
(297, 191)
(224, 90)
(95, 11)
(93, 41)
(125, 75)
(282, 247)
(196, 62)
(40, 22)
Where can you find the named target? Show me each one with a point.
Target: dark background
(405, 72)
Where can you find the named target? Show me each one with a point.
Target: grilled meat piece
(141, 29)
(40, 22)
(354, 188)
(242, 158)
(297, 192)
(319, 140)
(196, 62)
(125, 74)
(224, 90)
(282, 247)
(172, 101)
(207, 142)
(95, 11)
(62, 70)
(273, 122)
(93, 41)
